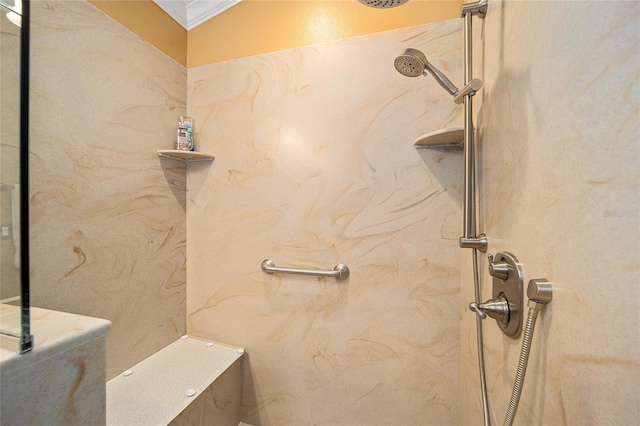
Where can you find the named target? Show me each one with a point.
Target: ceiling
(191, 13)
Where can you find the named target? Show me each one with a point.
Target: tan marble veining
(219, 404)
(560, 188)
(61, 381)
(107, 215)
(315, 166)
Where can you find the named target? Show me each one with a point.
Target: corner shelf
(452, 137)
(186, 156)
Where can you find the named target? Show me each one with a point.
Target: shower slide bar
(340, 271)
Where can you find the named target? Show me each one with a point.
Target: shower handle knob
(498, 269)
(476, 308)
(497, 308)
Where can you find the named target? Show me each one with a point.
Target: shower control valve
(498, 269)
(506, 306)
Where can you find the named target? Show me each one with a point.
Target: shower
(506, 306)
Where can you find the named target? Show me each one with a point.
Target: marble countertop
(53, 332)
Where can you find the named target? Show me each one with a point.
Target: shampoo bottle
(182, 142)
(188, 125)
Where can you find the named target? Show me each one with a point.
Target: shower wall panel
(107, 215)
(315, 166)
(560, 188)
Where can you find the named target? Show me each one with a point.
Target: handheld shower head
(413, 63)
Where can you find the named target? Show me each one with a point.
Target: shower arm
(469, 89)
(469, 238)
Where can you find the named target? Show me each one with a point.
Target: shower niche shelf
(447, 138)
(186, 156)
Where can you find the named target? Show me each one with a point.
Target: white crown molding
(176, 9)
(199, 11)
(191, 13)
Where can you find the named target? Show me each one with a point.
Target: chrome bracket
(469, 90)
(26, 343)
(478, 8)
(479, 243)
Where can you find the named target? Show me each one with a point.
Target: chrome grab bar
(340, 271)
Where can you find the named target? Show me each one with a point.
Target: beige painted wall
(253, 27)
(150, 22)
(560, 189)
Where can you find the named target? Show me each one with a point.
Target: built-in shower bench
(190, 382)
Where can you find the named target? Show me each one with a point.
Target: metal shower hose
(522, 365)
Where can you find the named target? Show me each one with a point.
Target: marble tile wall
(315, 166)
(107, 214)
(559, 188)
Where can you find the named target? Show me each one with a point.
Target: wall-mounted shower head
(383, 4)
(413, 63)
